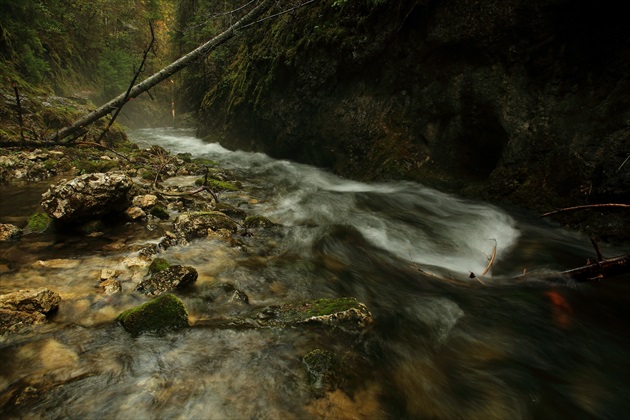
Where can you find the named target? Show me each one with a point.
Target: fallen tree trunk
(163, 74)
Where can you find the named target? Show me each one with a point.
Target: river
(442, 345)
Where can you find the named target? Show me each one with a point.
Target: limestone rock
(168, 279)
(164, 313)
(26, 307)
(135, 213)
(29, 300)
(144, 201)
(87, 196)
(111, 286)
(197, 225)
(9, 231)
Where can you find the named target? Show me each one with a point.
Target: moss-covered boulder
(164, 313)
(171, 278)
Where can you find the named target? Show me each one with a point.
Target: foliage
(90, 45)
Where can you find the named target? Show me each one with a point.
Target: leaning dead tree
(165, 73)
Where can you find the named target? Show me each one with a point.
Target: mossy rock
(160, 212)
(170, 278)
(157, 265)
(38, 223)
(186, 157)
(197, 225)
(322, 368)
(257, 222)
(230, 210)
(217, 185)
(345, 313)
(163, 313)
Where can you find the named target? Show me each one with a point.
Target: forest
(314, 209)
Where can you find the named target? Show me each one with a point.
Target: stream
(496, 347)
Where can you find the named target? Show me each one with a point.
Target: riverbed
(443, 345)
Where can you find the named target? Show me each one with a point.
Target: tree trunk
(163, 74)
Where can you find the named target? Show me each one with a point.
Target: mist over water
(494, 348)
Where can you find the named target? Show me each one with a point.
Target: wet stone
(175, 276)
(164, 313)
(9, 231)
(26, 307)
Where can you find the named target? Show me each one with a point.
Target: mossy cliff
(519, 101)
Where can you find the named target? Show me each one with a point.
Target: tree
(165, 73)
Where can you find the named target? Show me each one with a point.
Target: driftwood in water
(600, 269)
(587, 206)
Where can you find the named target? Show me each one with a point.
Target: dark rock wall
(525, 101)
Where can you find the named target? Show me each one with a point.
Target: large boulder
(26, 307)
(164, 313)
(87, 196)
(173, 277)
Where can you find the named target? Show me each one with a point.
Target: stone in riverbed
(197, 225)
(87, 197)
(164, 313)
(347, 314)
(175, 276)
(9, 231)
(26, 307)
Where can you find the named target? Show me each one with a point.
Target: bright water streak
(411, 221)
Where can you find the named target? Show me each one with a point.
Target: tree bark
(163, 74)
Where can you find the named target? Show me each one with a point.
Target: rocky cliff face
(524, 101)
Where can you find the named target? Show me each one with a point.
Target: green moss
(160, 212)
(166, 312)
(157, 265)
(217, 185)
(86, 166)
(299, 311)
(38, 222)
(257, 222)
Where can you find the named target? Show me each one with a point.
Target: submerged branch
(587, 206)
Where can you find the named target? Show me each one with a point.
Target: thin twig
(280, 13)
(587, 206)
(494, 254)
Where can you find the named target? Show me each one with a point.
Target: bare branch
(587, 206)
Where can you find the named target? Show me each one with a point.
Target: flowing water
(442, 345)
